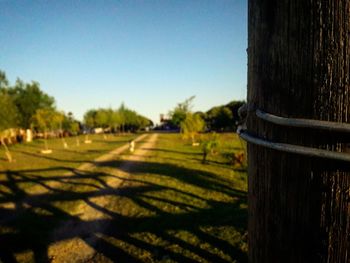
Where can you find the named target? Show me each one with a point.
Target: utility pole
(298, 67)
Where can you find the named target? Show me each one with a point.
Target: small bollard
(131, 145)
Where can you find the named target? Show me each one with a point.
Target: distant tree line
(223, 118)
(25, 106)
(219, 118)
(119, 120)
(201, 127)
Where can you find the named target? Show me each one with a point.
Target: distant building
(165, 123)
(164, 119)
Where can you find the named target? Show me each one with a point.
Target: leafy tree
(203, 115)
(89, 118)
(42, 120)
(89, 122)
(74, 129)
(234, 106)
(220, 118)
(3, 80)
(122, 119)
(110, 122)
(209, 144)
(116, 120)
(191, 126)
(179, 113)
(223, 118)
(28, 98)
(143, 122)
(72, 125)
(102, 118)
(8, 112)
(57, 120)
(130, 120)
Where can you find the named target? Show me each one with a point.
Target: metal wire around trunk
(295, 122)
(304, 123)
(296, 149)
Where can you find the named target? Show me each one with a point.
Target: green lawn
(28, 156)
(172, 208)
(29, 164)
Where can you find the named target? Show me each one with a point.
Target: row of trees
(119, 120)
(192, 124)
(20, 102)
(219, 118)
(26, 106)
(223, 118)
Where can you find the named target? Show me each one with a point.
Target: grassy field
(168, 206)
(28, 156)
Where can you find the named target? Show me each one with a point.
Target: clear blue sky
(149, 54)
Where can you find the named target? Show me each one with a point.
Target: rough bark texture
(298, 66)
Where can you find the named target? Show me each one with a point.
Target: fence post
(298, 66)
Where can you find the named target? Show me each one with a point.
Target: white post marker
(131, 145)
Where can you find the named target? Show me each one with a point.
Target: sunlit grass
(184, 210)
(164, 207)
(28, 155)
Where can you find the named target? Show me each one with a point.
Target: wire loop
(296, 149)
(303, 123)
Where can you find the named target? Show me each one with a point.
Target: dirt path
(69, 246)
(107, 157)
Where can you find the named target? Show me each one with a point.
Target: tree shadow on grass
(29, 221)
(108, 141)
(198, 178)
(53, 158)
(171, 151)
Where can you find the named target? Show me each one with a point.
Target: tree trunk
(45, 140)
(298, 66)
(7, 151)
